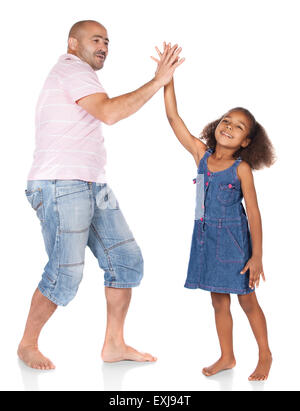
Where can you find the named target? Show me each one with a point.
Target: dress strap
(237, 162)
(234, 168)
(203, 159)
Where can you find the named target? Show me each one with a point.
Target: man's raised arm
(112, 110)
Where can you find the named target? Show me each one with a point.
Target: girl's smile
(226, 134)
(235, 126)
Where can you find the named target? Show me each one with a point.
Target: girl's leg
(224, 324)
(258, 324)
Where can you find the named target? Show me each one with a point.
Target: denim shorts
(74, 214)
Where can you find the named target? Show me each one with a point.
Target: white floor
(177, 328)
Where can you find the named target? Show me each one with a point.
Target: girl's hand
(256, 270)
(167, 63)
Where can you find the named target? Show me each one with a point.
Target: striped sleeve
(81, 83)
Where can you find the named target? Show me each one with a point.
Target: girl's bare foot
(262, 370)
(33, 358)
(111, 353)
(221, 365)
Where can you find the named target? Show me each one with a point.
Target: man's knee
(125, 265)
(62, 288)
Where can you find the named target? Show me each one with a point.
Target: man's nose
(104, 48)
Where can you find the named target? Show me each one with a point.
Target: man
(68, 189)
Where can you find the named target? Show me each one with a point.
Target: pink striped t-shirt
(69, 143)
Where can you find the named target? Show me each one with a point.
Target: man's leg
(67, 210)
(114, 348)
(40, 311)
(118, 254)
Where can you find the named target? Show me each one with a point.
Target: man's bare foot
(112, 353)
(262, 370)
(33, 358)
(221, 365)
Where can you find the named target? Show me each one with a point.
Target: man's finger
(165, 52)
(158, 51)
(153, 58)
(170, 52)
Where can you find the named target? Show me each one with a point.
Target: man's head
(88, 40)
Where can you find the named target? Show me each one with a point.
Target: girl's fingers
(177, 51)
(252, 279)
(244, 269)
(171, 52)
(176, 64)
(263, 276)
(175, 55)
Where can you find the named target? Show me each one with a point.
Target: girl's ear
(246, 142)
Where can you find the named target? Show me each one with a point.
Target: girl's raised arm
(196, 147)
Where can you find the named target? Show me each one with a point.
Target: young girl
(224, 258)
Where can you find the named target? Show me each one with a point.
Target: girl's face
(233, 130)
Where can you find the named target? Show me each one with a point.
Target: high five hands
(167, 63)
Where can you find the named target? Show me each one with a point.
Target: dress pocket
(230, 244)
(228, 193)
(35, 199)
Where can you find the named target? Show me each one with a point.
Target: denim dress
(221, 243)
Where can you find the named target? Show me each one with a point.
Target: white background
(238, 53)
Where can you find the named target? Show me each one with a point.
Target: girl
(224, 258)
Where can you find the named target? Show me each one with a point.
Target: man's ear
(72, 43)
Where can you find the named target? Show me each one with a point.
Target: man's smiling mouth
(100, 56)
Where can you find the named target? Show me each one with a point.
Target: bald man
(67, 188)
